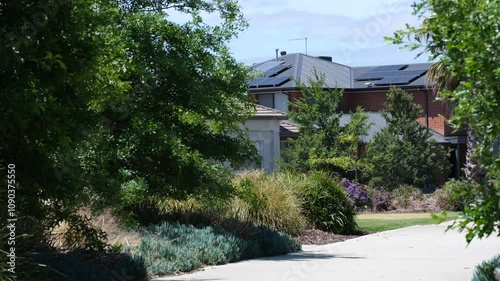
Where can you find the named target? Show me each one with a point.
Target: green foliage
(270, 200)
(455, 195)
(273, 243)
(463, 36)
(108, 102)
(324, 144)
(403, 152)
(483, 212)
(486, 270)
(405, 196)
(29, 235)
(325, 203)
(82, 266)
(260, 199)
(170, 248)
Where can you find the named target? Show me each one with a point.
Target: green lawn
(382, 222)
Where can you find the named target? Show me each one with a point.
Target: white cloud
(349, 27)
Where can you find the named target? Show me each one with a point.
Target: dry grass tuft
(268, 199)
(105, 221)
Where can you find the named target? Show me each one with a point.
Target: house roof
(418, 81)
(297, 66)
(266, 112)
(300, 67)
(289, 129)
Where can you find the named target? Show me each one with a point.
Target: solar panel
(401, 77)
(268, 81)
(266, 66)
(412, 73)
(380, 72)
(273, 81)
(393, 81)
(373, 75)
(280, 81)
(253, 83)
(393, 67)
(276, 70)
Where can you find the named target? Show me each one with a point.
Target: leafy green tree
(463, 36)
(110, 102)
(403, 151)
(324, 143)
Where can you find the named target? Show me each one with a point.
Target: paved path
(423, 253)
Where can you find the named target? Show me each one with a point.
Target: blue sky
(351, 32)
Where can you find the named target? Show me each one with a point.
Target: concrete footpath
(423, 253)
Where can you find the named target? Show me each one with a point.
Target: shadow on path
(301, 256)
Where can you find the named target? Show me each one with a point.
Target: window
(266, 100)
(281, 102)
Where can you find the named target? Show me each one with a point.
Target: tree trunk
(472, 169)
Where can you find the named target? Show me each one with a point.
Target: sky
(350, 31)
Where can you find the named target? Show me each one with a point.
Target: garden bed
(319, 237)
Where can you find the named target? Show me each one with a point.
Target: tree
(109, 102)
(403, 151)
(463, 36)
(324, 143)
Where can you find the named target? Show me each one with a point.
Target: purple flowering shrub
(382, 200)
(357, 193)
(363, 196)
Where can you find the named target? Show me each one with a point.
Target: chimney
(327, 58)
(277, 54)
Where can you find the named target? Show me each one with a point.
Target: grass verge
(381, 222)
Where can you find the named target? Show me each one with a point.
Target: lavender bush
(382, 200)
(363, 196)
(357, 193)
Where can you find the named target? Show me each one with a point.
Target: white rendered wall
(266, 135)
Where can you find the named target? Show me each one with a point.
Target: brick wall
(375, 101)
(293, 96)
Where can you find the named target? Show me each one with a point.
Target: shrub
(486, 270)
(403, 152)
(358, 193)
(273, 243)
(260, 198)
(379, 198)
(325, 203)
(268, 199)
(406, 197)
(29, 237)
(79, 265)
(169, 248)
(455, 195)
(194, 211)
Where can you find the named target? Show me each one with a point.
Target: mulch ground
(319, 237)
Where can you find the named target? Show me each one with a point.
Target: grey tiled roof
(336, 75)
(302, 67)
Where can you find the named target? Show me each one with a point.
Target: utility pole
(302, 38)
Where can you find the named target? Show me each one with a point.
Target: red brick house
(363, 86)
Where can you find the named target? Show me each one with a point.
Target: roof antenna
(277, 54)
(302, 38)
